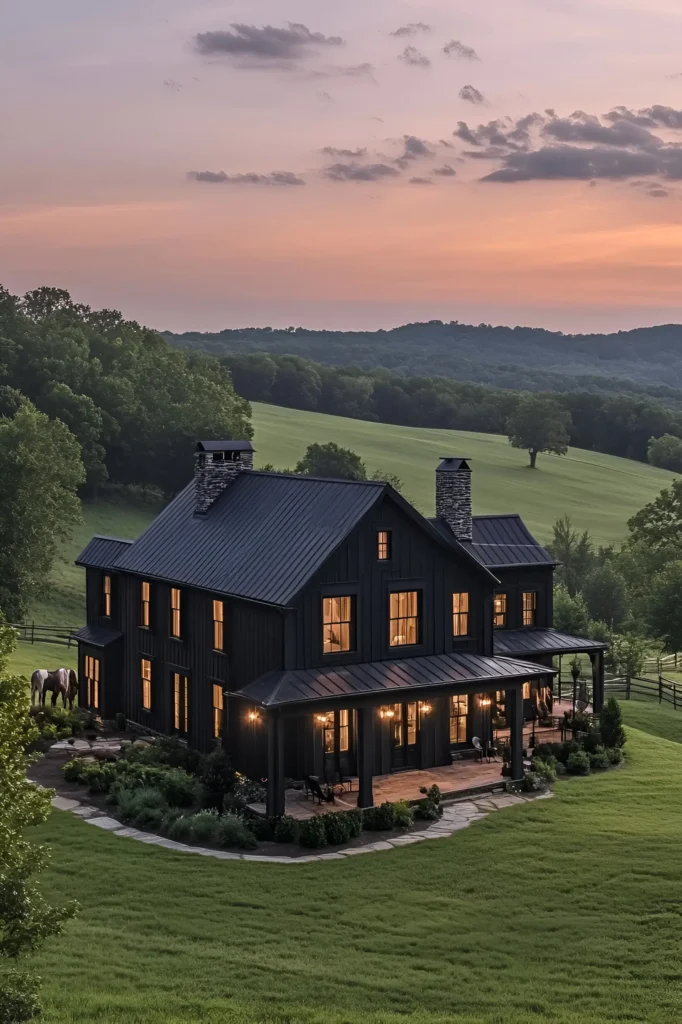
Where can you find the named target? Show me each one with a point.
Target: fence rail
(660, 689)
(31, 633)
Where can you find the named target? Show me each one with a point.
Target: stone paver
(63, 804)
(86, 811)
(110, 824)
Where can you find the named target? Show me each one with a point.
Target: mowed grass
(565, 910)
(599, 492)
(658, 719)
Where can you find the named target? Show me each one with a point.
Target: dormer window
(500, 611)
(384, 545)
(529, 607)
(106, 597)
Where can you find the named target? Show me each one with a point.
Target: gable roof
(102, 552)
(502, 542)
(367, 679)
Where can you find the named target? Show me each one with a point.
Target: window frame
(175, 614)
(384, 545)
(218, 710)
(533, 609)
(145, 605)
(219, 627)
(503, 596)
(461, 718)
(146, 683)
(461, 616)
(107, 598)
(340, 622)
(180, 702)
(92, 680)
(418, 616)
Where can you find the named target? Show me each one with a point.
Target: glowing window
(460, 615)
(500, 611)
(403, 625)
(337, 622)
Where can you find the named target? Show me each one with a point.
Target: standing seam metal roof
(103, 552)
(542, 641)
(385, 677)
(501, 542)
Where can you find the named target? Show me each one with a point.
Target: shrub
(611, 724)
(245, 792)
(336, 828)
(545, 770)
(578, 763)
(429, 809)
(131, 802)
(64, 733)
(176, 754)
(121, 722)
(204, 826)
(232, 830)
(73, 770)
(592, 741)
(403, 814)
(49, 731)
(218, 778)
(99, 777)
(355, 822)
(599, 759)
(169, 818)
(179, 788)
(568, 748)
(181, 829)
(262, 828)
(313, 833)
(148, 819)
(532, 782)
(547, 750)
(615, 755)
(286, 829)
(379, 819)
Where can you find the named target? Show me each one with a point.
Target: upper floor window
(146, 678)
(500, 611)
(175, 612)
(460, 615)
(145, 599)
(529, 607)
(403, 618)
(106, 597)
(218, 626)
(384, 545)
(337, 624)
(180, 704)
(218, 709)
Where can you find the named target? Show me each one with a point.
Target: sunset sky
(353, 164)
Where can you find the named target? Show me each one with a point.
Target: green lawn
(599, 492)
(566, 910)
(651, 717)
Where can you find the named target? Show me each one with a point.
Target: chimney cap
(224, 446)
(452, 463)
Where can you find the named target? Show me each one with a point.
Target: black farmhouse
(322, 627)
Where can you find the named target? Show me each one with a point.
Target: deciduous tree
(539, 424)
(333, 461)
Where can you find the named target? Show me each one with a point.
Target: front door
(404, 737)
(180, 704)
(339, 744)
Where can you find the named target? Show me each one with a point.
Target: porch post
(597, 660)
(225, 729)
(514, 707)
(275, 790)
(365, 755)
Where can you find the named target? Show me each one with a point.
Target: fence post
(674, 696)
(660, 689)
(627, 687)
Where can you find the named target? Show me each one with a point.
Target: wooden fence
(660, 689)
(30, 633)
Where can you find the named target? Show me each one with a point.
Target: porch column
(275, 790)
(225, 728)
(365, 747)
(514, 708)
(597, 660)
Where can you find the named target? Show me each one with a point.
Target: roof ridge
(105, 536)
(322, 479)
(499, 515)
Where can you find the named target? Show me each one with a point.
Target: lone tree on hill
(539, 425)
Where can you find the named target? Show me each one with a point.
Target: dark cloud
(420, 181)
(359, 172)
(657, 116)
(582, 127)
(471, 94)
(251, 178)
(565, 162)
(170, 83)
(456, 49)
(658, 193)
(446, 171)
(325, 97)
(357, 70)
(264, 44)
(350, 154)
(413, 149)
(413, 58)
(412, 29)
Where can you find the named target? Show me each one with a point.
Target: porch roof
(97, 636)
(514, 642)
(393, 680)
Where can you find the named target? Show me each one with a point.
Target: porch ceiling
(397, 680)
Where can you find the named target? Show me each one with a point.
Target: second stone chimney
(217, 464)
(453, 496)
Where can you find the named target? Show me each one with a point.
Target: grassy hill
(599, 492)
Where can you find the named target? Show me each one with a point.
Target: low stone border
(456, 816)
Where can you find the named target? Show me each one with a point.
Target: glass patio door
(404, 737)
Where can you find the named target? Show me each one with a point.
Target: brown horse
(62, 681)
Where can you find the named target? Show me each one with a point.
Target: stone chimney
(217, 464)
(453, 496)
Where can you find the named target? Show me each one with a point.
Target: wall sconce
(387, 712)
(484, 702)
(324, 720)
(425, 708)
(253, 716)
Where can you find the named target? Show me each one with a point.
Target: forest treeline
(646, 362)
(615, 424)
(135, 404)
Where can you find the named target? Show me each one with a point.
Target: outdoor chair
(312, 785)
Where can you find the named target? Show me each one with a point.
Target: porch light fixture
(327, 719)
(484, 702)
(253, 716)
(425, 708)
(386, 712)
